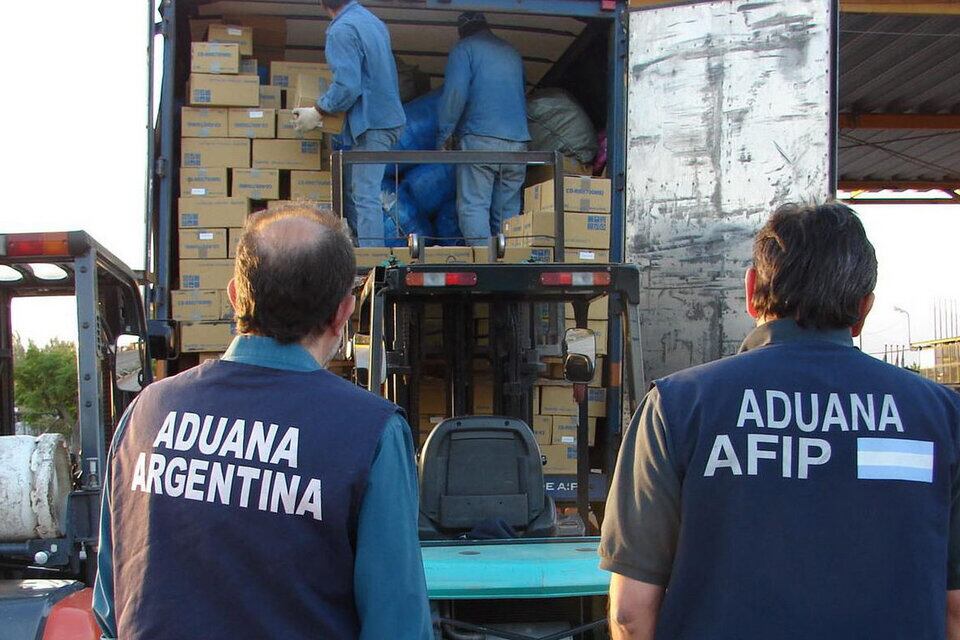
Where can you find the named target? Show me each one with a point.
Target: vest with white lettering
(236, 492)
(816, 494)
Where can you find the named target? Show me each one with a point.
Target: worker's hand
(306, 119)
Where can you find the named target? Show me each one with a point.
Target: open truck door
(730, 113)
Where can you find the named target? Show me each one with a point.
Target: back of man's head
(295, 265)
(471, 22)
(813, 264)
(334, 5)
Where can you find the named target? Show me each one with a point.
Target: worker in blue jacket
(260, 495)
(364, 86)
(800, 489)
(483, 108)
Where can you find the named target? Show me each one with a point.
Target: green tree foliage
(45, 385)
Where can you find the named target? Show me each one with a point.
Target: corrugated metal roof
(899, 64)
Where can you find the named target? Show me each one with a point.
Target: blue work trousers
(487, 194)
(365, 210)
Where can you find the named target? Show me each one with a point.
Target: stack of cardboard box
(239, 153)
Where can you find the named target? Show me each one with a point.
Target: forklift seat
(479, 469)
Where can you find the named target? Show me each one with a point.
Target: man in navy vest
(259, 495)
(800, 489)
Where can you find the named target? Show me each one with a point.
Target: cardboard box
(256, 184)
(209, 336)
(271, 97)
(248, 67)
(433, 399)
(311, 185)
(233, 239)
(597, 402)
(370, 257)
(286, 131)
(599, 310)
(570, 166)
(331, 122)
(214, 152)
(205, 274)
(542, 429)
(195, 305)
(448, 255)
(516, 255)
(599, 328)
(558, 459)
(252, 123)
(203, 182)
(312, 84)
(287, 154)
(215, 57)
(581, 230)
(212, 212)
(199, 27)
(203, 122)
(207, 89)
(242, 36)
(556, 400)
(226, 309)
(203, 243)
(482, 396)
(582, 194)
(586, 256)
(565, 430)
(283, 73)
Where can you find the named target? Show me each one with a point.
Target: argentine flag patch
(894, 459)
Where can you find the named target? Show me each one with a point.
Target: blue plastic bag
(448, 224)
(431, 185)
(401, 216)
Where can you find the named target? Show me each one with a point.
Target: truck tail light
(441, 279)
(22, 245)
(575, 278)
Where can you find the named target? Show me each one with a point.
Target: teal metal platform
(544, 568)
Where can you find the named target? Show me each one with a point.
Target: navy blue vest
(816, 496)
(236, 492)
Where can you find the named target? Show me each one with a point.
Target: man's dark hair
(333, 5)
(814, 264)
(471, 22)
(294, 266)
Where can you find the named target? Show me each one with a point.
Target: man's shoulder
(353, 392)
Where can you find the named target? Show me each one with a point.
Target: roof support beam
(900, 185)
(940, 122)
(944, 7)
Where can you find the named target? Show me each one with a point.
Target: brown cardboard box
(212, 212)
(271, 97)
(214, 152)
(199, 27)
(214, 57)
(433, 399)
(233, 239)
(203, 182)
(203, 122)
(565, 430)
(287, 154)
(207, 89)
(310, 87)
(571, 167)
(195, 305)
(482, 396)
(242, 36)
(203, 243)
(599, 327)
(286, 131)
(312, 84)
(586, 195)
(531, 196)
(557, 400)
(253, 123)
(331, 122)
(599, 310)
(205, 274)
(283, 73)
(558, 459)
(370, 257)
(581, 230)
(542, 429)
(597, 402)
(226, 309)
(208, 336)
(527, 254)
(256, 184)
(448, 255)
(585, 256)
(311, 185)
(248, 66)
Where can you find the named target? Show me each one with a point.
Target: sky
(74, 156)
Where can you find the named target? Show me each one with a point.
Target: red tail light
(441, 279)
(575, 278)
(22, 245)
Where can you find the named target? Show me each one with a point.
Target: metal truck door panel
(729, 115)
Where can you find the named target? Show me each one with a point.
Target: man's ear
(865, 306)
(232, 294)
(749, 286)
(344, 311)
